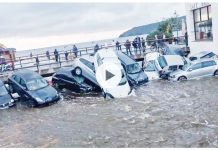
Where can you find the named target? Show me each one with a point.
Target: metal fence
(47, 62)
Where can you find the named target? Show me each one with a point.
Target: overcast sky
(34, 25)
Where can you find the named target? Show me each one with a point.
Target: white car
(149, 66)
(109, 56)
(169, 63)
(163, 65)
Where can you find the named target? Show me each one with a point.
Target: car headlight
(39, 100)
(12, 100)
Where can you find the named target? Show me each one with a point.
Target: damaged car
(134, 72)
(6, 99)
(79, 78)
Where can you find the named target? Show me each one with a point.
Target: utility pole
(176, 25)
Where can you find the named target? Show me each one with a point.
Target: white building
(202, 26)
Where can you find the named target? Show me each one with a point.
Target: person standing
(128, 45)
(37, 60)
(66, 55)
(134, 44)
(31, 55)
(96, 48)
(139, 44)
(48, 55)
(75, 50)
(143, 45)
(56, 55)
(118, 46)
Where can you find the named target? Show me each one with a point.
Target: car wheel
(216, 73)
(78, 71)
(182, 78)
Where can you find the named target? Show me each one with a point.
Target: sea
(83, 45)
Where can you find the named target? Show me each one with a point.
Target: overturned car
(78, 78)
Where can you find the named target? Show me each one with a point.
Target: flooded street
(160, 114)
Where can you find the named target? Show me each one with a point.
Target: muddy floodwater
(160, 114)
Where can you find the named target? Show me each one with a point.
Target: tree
(165, 27)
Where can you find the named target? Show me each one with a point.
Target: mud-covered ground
(161, 114)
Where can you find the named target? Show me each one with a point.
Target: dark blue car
(67, 78)
(135, 74)
(32, 87)
(6, 99)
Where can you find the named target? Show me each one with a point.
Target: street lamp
(176, 24)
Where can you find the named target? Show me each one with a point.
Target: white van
(109, 57)
(163, 65)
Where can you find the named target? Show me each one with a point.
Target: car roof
(125, 58)
(200, 54)
(27, 74)
(88, 57)
(173, 60)
(104, 53)
(202, 60)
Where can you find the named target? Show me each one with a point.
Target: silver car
(202, 55)
(84, 66)
(196, 69)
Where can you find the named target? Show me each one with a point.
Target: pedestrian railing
(49, 61)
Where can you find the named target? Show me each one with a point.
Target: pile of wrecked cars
(169, 63)
(81, 77)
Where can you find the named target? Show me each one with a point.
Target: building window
(203, 23)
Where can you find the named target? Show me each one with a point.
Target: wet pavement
(160, 114)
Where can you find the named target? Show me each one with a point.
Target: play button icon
(109, 75)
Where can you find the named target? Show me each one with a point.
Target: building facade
(202, 26)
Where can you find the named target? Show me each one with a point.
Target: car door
(69, 81)
(208, 68)
(23, 89)
(15, 84)
(195, 71)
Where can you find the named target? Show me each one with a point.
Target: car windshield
(162, 61)
(36, 84)
(150, 66)
(133, 68)
(123, 80)
(3, 90)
